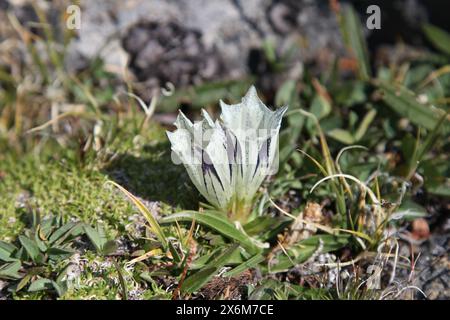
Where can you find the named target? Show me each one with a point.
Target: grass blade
(250, 263)
(10, 271)
(403, 102)
(31, 248)
(438, 37)
(122, 282)
(352, 32)
(154, 225)
(6, 250)
(215, 220)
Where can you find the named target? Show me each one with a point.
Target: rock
(196, 41)
(432, 268)
(168, 52)
(190, 42)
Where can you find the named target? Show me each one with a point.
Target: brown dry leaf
(420, 229)
(348, 64)
(299, 230)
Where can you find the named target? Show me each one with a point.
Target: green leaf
(403, 102)
(56, 253)
(263, 223)
(23, 282)
(442, 189)
(97, 237)
(320, 107)
(109, 247)
(287, 95)
(99, 240)
(266, 290)
(20, 254)
(365, 123)
(40, 285)
(217, 221)
(200, 278)
(432, 137)
(224, 257)
(203, 260)
(7, 247)
(341, 135)
(9, 271)
(121, 280)
(174, 252)
(250, 263)
(354, 39)
(6, 250)
(46, 227)
(408, 210)
(269, 51)
(59, 233)
(37, 240)
(346, 136)
(299, 255)
(438, 37)
(60, 288)
(350, 93)
(31, 248)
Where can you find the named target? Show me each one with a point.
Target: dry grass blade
(76, 113)
(329, 164)
(316, 225)
(148, 110)
(285, 252)
(345, 149)
(338, 167)
(88, 94)
(145, 256)
(321, 168)
(154, 225)
(347, 176)
(435, 74)
(323, 142)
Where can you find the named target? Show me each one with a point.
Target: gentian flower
(228, 159)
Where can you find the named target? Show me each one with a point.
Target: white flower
(228, 159)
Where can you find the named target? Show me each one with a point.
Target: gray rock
(193, 41)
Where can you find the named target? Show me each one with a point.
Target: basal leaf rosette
(228, 159)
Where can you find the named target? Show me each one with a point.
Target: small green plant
(38, 253)
(43, 251)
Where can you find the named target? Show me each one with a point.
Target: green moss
(53, 183)
(49, 187)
